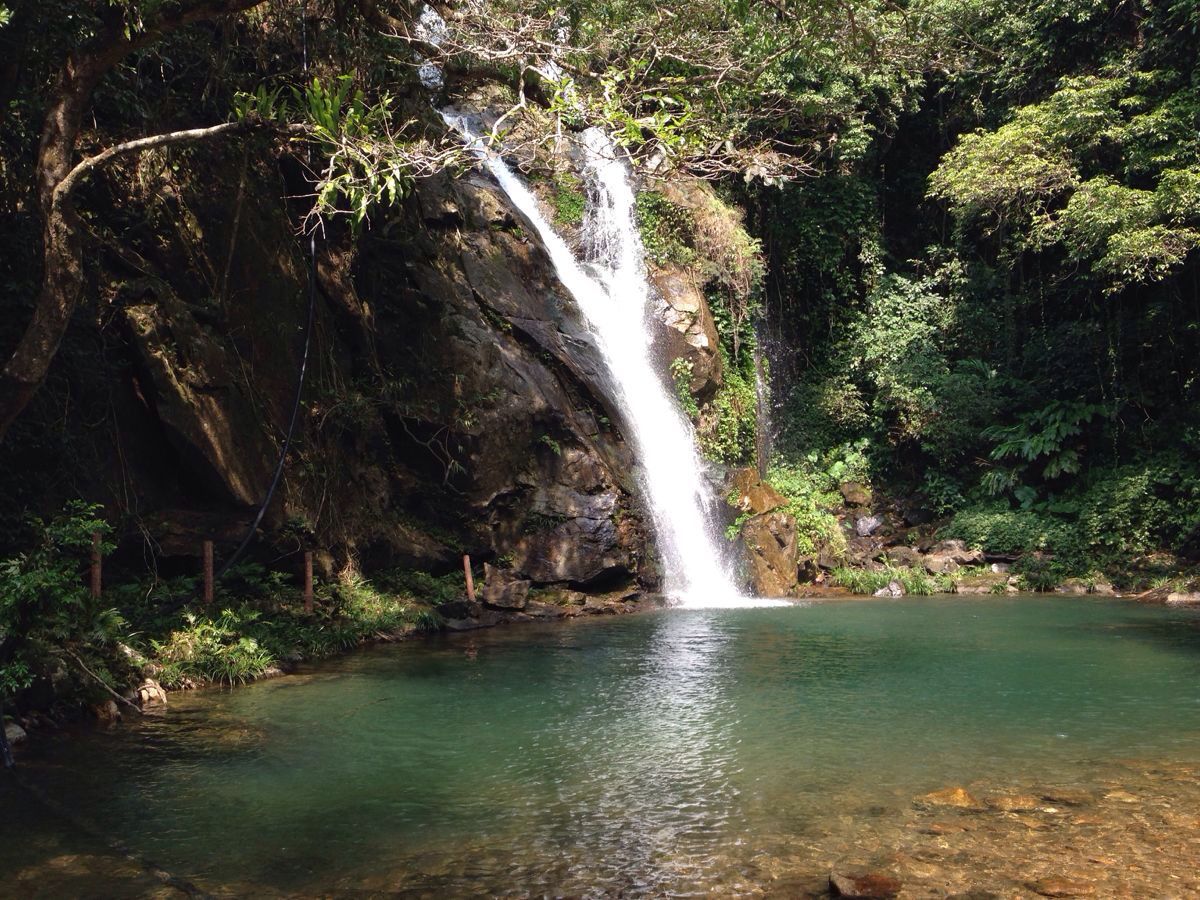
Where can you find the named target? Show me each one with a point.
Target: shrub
(48, 618)
(914, 581)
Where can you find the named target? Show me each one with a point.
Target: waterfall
(613, 293)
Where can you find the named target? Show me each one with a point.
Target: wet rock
(502, 589)
(14, 733)
(1120, 797)
(855, 494)
(1067, 797)
(947, 556)
(1176, 598)
(771, 554)
(873, 885)
(541, 610)
(1056, 886)
(984, 583)
(865, 526)
(952, 796)
(902, 556)
(1013, 802)
(749, 494)
(1080, 586)
(598, 607)
(459, 609)
(106, 713)
(893, 589)
(151, 694)
(687, 330)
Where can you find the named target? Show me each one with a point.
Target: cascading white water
(613, 294)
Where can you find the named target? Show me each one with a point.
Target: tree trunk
(62, 276)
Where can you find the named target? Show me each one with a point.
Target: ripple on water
(734, 751)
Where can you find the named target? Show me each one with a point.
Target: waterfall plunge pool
(685, 752)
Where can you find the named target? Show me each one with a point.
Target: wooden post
(208, 572)
(470, 580)
(96, 573)
(308, 582)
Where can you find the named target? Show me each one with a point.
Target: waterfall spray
(613, 293)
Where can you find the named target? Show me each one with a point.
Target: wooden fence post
(470, 580)
(308, 581)
(208, 572)
(96, 572)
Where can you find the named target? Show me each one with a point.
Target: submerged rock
(1013, 802)
(952, 796)
(1176, 598)
(150, 693)
(107, 713)
(1056, 886)
(865, 885)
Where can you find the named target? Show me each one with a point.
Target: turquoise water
(676, 751)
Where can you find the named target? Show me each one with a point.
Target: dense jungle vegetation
(969, 256)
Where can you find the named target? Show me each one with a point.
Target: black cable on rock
(312, 302)
(287, 441)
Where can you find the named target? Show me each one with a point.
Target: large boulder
(771, 554)
(947, 556)
(747, 493)
(14, 733)
(686, 329)
(502, 589)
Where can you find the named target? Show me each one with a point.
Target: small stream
(683, 752)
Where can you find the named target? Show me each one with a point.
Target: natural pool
(688, 752)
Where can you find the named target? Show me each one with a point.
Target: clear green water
(669, 751)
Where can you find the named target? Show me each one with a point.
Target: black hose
(287, 442)
(312, 302)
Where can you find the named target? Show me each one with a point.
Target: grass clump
(913, 580)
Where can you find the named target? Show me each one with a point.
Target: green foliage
(1040, 438)
(47, 612)
(568, 199)
(1111, 517)
(681, 376)
(913, 580)
(212, 650)
(811, 488)
(730, 423)
(666, 229)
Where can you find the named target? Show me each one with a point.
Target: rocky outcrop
(503, 589)
(454, 400)
(749, 494)
(947, 556)
(771, 554)
(687, 330)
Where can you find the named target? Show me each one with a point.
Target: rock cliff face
(454, 400)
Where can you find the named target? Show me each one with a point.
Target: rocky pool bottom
(1007, 746)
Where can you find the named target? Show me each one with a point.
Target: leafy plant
(1041, 437)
